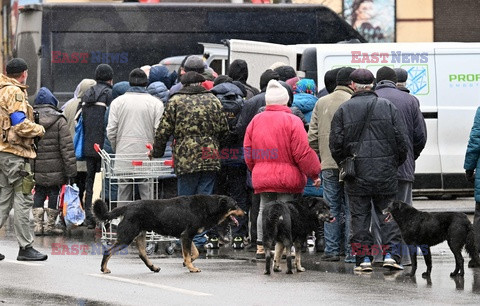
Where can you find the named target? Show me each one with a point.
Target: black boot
(319, 239)
(30, 254)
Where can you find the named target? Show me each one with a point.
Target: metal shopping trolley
(134, 173)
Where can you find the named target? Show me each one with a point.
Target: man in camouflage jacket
(195, 118)
(16, 148)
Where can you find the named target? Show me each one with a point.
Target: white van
(445, 77)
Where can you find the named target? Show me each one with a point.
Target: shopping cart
(132, 173)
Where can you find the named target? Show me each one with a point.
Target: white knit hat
(276, 94)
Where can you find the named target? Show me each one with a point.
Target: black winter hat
(192, 77)
(343, 76)
(402, 75)
(103, 72)
(238, 70)
(266, 76)
(386, 73)
(330, 79)
(362, 76)
(222, 79)
(138, 77)
(16, 65)
(285, 72)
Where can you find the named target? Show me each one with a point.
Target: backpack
(79, 137)
(232, 107)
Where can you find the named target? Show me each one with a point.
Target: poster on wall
(373, 19)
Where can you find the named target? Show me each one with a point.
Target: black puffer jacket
(94, 116)
(55, 160)
(382, 151)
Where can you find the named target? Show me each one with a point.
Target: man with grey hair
(377, 156)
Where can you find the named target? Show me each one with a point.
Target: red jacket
(277, 152)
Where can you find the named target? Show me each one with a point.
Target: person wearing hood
(304, 97)
(160, 81)
(69, 110)
(132, 120)
(232, 177)
(55, 163)
(93, 107)
(238, 71)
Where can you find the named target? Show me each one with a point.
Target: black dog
(288, 224)
(425, 229)
(182, 217)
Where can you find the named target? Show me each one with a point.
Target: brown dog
(182, 217)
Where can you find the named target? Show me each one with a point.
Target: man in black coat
(381, 152)
(93, 106)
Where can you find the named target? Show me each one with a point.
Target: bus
(64, 42)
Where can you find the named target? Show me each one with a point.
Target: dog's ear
(310, 201)
(396, 204)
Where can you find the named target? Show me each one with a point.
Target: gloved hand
(470, 175)
(71, 181)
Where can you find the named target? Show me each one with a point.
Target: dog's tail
(101, 211)
(471, 249)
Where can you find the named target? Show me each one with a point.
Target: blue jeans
(335, 196)
(197, 183)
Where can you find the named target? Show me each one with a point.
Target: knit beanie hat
(16, 65)
(330, 79)
(306, 86)
(402, 75)
(386, 73)
(266, 76)
(362, 76)
(138, 77)
(103, 72)
(343, 76)
(276, 94)
(285, 72)
(222, 79)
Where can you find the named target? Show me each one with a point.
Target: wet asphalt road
(228, 277)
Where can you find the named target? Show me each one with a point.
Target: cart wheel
(170, 249)
(150, 248)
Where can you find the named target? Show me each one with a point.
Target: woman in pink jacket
(277, 152)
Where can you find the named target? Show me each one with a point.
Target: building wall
(414, 20)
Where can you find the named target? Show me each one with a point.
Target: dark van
(63, 43)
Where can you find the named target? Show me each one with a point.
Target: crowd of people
(281, 142)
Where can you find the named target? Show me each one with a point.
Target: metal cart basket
(131, 174)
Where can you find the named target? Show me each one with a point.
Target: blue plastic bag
(73, 212)
(78, 139)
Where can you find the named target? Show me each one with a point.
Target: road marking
(23, 263)
(168, 288)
